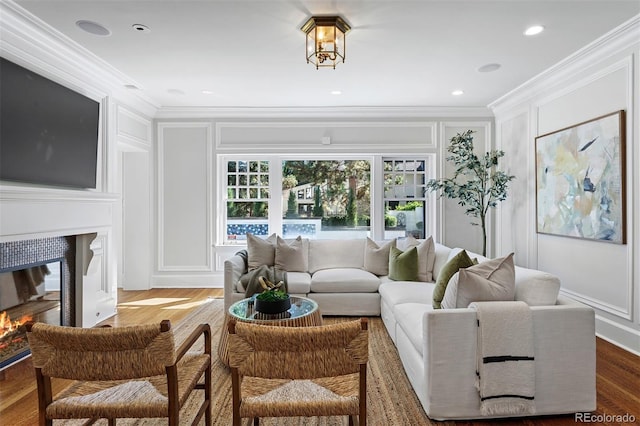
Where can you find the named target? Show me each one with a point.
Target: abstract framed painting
(580, 180)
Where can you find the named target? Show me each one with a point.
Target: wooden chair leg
(112, 422)
(351, 421)
(256, 421)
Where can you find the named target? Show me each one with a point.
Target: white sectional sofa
(437, 347)
(335, 278)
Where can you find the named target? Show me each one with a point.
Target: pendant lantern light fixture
(326, 44)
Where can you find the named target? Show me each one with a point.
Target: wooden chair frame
(236, 381)
(46, 397)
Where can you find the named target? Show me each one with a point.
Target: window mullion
(377, 198)
(275, 189)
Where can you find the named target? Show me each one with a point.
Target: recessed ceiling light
(131, 86)
(336, 92)
(533, 30)
(207, 92)
(457, 92)
(141, 28)
(93, 28)
(489, 68)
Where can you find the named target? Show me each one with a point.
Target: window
(404, 197)
(248, 198)
(324, 198)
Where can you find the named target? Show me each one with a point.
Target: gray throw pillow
(376, 258)
(260, 251)
(493, 280)
(291, 257)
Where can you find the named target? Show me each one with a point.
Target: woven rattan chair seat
(318, 397)
(125, 398)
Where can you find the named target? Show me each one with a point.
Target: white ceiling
(399, 53)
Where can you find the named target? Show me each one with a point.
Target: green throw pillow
(403, 265)
(460, 260)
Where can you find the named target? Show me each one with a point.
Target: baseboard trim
(618, 334)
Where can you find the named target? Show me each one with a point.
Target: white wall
(184, 208)
(600, 79)
(134, 219)
(33, 211)
(190, 205)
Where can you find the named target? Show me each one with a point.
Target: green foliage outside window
(352, 209)
(410, 206)
(292, 205)
(317, 202)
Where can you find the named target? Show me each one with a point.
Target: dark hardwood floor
(617, 378)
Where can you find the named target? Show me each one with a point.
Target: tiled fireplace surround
(27, 252)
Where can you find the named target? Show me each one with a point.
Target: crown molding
(322, 112)
(620, 38)
(36, 45)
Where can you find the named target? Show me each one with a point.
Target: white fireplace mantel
(27, 213)
(31, 213)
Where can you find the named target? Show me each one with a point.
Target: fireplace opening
(32, 292)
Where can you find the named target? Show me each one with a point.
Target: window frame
(275, 201)
(425, 198)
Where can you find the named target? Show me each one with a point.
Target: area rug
(390, 398)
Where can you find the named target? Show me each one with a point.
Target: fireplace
(36, 283)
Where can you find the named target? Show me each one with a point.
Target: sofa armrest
(234, 268)
(565, 356)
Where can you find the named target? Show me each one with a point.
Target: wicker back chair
(299, 371)
(121, 372)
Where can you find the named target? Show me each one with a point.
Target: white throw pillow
(426, 255)
(291, 257)
(376, 258)
(260, 251)
(492, 280)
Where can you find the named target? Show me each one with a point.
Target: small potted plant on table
(272, 300)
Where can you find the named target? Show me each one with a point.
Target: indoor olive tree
(476, 183)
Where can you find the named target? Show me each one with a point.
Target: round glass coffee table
(303, 313)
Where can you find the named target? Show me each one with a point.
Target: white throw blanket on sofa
(505, 358)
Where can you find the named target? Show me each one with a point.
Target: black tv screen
(48, 132)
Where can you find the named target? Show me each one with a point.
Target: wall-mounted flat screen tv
(48, 132)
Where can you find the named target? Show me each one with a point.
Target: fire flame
(7, 326)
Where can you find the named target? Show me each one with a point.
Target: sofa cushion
(487, 281)
(292, 256)
(344, 280)
(298, 282)
(403, 265)
(426, 255)
(460, 260)
(376, 257)
(327, 254)
(536, 288)
(409, 316)
(260, 251)
(396, 292)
